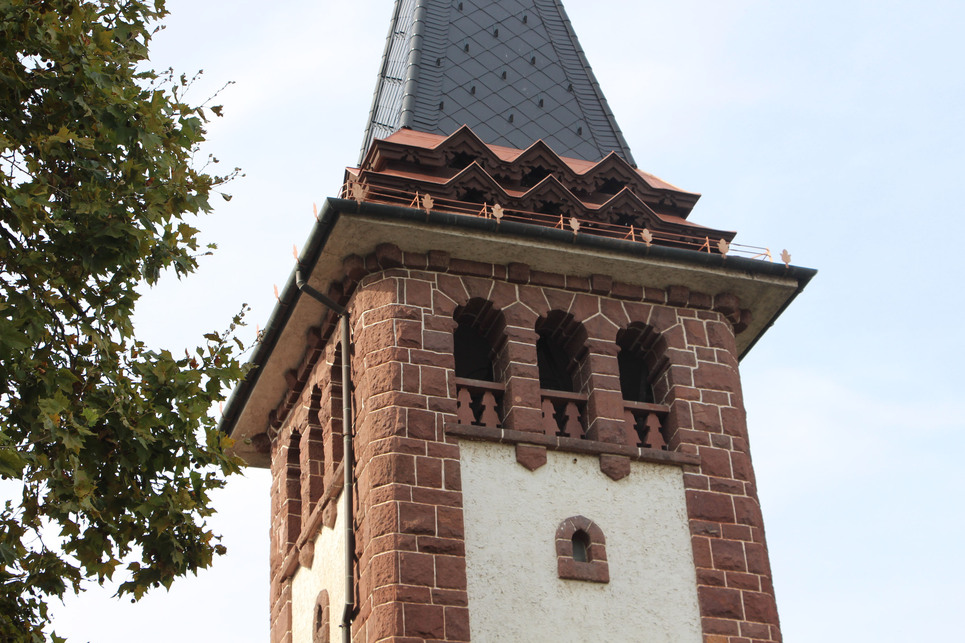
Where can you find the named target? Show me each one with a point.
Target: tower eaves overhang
(347, 227)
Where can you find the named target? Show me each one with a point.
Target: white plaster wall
(511, 516)
(327, 572)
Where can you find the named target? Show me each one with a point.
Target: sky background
(832, 129)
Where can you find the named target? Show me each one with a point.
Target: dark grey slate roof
(512, 70)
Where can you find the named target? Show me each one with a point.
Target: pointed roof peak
(511, 70)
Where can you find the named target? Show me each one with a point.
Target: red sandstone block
(437, 341)
(421, 425)
(450, 572)
(542, 300)
(408, 334)
(739, 580)
(454, 597)
(741, 463)
(547, 279)
(474, 268)
(457, 623)
(410, 379)
(700, 300)
(616, 467)
(452, 287)
(450, 522)
(728, 555)
(706, 354)
(717, 602)
(389, 311)
(757, 562)
(695, 481)
(721, 335)
(755, 630)
(748, 512)
(704, 505)
(442, 450)
(759, 607)
(701, 547)
(383, 518)
(622, 290)
(678, 295)
(731, 487)
(601, 284)
(416, 569)
(383, 569)
(738, 532)
(384, 621)
(518, 273)
(696, 332)
(400, 594)
(735, 424)
(398, 445)
(693, 438)
(434, 381)
(418, 293)
(428, 472)
(716, 377)
(721, 441)
(712, 577)
(584, 307)
(416, 518)
(530, 456)
(453, 475)
(714, 462)
(719, 630)
(437, 497)
(448, 546)
(391, 468)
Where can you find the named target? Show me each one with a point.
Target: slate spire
(512, 70)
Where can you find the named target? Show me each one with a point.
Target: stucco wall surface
(327, 572)
(511, 516)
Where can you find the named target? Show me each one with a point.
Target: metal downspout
(348, 457)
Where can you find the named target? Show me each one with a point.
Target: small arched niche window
(581, 551)
(321, 619)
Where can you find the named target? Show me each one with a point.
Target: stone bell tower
(500, 395)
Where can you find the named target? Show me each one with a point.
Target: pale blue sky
(832, 129)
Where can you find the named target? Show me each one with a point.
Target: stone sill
(569, 445)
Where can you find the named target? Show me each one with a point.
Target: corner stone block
(530, 456)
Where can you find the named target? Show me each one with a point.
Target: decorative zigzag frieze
(461, 168)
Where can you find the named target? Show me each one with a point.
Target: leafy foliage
(106, 443)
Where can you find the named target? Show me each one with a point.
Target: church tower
(500, 394)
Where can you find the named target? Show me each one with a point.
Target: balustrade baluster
(631, 437)
(464, 407)
(573, 427)
(550, 427)
(488, 415)
(654, 439)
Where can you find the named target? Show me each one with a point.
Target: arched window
(293, 491)
(560, 347)
(637, 361)
(640, 368)
(321, 619)
(476, 343)
(560, 353)
(581, 551)
(473, 354)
